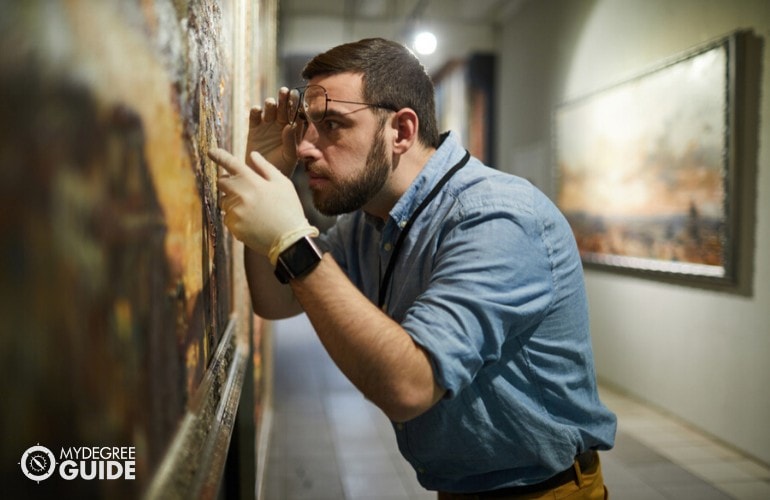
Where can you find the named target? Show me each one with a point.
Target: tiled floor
(328, 442)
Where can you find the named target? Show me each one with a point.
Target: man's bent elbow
(411, 404)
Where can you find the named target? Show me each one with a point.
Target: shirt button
(400, 426)
(388, 247)
(421, 470)
(402, 224)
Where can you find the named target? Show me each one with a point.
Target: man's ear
(406, 124)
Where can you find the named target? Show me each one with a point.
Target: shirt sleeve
(350, 243)
(335, 240)
(490, 284)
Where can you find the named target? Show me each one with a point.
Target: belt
(586, 460)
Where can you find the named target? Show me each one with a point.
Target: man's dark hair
(392, 77)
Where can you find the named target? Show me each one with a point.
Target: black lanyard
(385, 283)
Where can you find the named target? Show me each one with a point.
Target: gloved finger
(227, 161)
(226, 203)
(271, 110)
(261, 166)
(225, 189)
(228, 220)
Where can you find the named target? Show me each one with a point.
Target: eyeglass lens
(311, 103)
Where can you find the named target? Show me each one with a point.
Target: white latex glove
(261, 207)
(270, 134)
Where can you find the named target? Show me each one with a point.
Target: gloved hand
(260, 204)
(270, 134)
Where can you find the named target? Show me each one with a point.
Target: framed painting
(645, 168)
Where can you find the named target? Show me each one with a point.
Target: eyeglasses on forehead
(313, 101)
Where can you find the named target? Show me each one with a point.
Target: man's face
(346, 154)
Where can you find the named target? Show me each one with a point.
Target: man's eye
(330, 125)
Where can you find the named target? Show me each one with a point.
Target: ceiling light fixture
(425, 43)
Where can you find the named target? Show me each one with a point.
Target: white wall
(701, 354)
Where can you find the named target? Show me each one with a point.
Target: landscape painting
(643, 168)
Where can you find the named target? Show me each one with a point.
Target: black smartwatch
(297, 260)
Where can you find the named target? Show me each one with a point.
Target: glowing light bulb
(425, 43)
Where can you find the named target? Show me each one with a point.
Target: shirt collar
(449, 152)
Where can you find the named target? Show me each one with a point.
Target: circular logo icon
(38, 463)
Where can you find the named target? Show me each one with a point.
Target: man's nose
(305, 138)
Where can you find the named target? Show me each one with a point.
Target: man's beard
(348, 195)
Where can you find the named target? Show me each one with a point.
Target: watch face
(300, 258)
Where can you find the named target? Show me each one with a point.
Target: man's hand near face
(271, 135)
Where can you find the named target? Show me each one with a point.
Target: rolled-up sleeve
(490, 282)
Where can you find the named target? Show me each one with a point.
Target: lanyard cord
(385, 283)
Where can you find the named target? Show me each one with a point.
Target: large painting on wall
(645, 168)
(125, 313)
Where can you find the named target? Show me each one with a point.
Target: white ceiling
(461, 26)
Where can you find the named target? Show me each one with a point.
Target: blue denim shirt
(490, 283)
